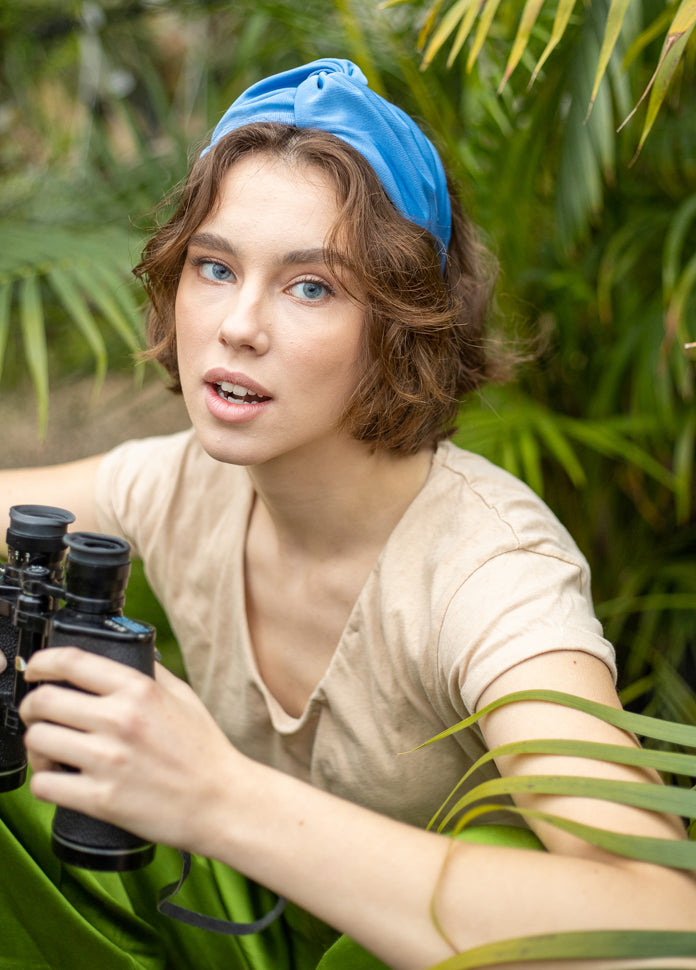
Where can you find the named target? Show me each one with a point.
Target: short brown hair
(424, 341)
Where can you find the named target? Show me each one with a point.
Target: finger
(62, 705)
(3, 662)
(82, 669)
(70, 789)
(49, 746)
(57, 745)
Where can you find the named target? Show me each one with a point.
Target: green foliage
(481, 800)
(595, 243)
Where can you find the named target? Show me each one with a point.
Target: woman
(343, 581)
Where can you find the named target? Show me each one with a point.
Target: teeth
(237, 392)
(237, 389)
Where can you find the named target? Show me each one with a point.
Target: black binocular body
(58, 589)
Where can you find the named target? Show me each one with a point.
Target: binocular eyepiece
(60, 589)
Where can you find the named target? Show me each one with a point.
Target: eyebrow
(211, 240)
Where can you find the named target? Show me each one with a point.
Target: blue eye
(311, 290)
(215, 272)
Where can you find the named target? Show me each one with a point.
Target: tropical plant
(460, 813)
(593, 224)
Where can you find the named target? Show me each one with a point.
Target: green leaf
(527, 21)
(5, 305)
(649, 727)
(531, 460)
(672, 762)
(672, 49)
(675, 312)
(445, 28)
(487, 15)
(463, 33)
(671, 56)
(427, 27)
(80, 315)
(563, 12)
(588, 944)
(560, 448)
(34, 338)
(674, 853)
(124, 322)
(607, 441)
(684, 464)
(650, 797)
(674, 244)
(615, 19)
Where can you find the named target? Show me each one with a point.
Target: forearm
(377, 880)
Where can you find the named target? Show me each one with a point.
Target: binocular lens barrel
(38, 530)
(97, 572)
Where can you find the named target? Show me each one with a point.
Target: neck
(353, 497)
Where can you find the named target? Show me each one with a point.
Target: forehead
(265, 184)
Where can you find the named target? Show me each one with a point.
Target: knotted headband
(333, 95)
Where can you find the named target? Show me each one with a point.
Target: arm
(139, 746)
(70, 486)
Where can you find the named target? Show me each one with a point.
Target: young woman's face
(268, 340)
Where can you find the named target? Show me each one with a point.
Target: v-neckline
(281, 720)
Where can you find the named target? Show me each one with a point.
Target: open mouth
(238, 394)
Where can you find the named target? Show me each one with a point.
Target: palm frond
(470, 808)
(478, 17)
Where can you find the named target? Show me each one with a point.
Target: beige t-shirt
(477, 576)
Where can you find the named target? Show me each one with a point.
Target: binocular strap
(210, 923)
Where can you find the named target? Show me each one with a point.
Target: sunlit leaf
(446, 26)
(527, 21)
(487, 14)
(428, 23)
(563, 12)
(672, 50)
(615, 19)
(463, 32)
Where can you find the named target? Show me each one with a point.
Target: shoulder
(468, 498)
(165, 484)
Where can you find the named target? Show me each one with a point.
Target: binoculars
(59, 588)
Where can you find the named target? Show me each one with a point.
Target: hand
(3, 662)
(149, 755)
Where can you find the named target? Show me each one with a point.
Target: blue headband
(333, 95)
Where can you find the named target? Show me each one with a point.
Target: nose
(244, 324)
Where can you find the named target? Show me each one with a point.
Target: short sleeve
(516, 606)
(134, 485)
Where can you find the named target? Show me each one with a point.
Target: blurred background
(571, 130)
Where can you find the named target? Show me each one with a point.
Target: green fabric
(56, 917)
